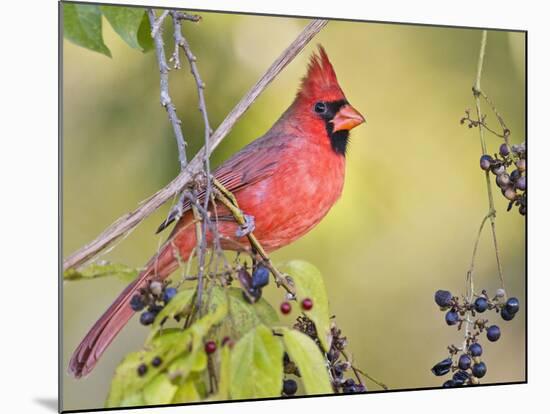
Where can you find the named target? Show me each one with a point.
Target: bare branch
(156, 24)
(130, 220)
(165, 99)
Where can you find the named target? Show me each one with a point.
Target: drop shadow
(49, 403)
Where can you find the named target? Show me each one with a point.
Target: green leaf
(309, 284)
(187, 392)
(256, 365)
(126, 382)
(144, 34)
(159, 391)
(82, 26)
(123, 272)
(305, 353)
(127, 22)
(180, 304)
(243, 315)
(171, 345)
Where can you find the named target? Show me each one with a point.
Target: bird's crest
(320, 78)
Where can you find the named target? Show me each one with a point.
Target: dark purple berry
(253, 296)
(169, 293)
(449, 384)
(210, 347)
(244, 278)
(485, 162)
(521, 165)
(147, 318)
(260, 277)
(443, 367)
(479, 370)
(493, 333)
(515, 175)
(156, 361)
(136, 303)
(443, 298)
(521, 183)
(506, 315)
(475, 350)
(464, 362)
(504, 150)
(452, 317)
(307, 304)
(509, 193)
(503, 180)
(512, 305)
(142, 370)
(481, 304)
(523, 210)
(290, 387)
(460, 377)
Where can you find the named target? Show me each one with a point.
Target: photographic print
(263, 206)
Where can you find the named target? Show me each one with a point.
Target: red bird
(287, 180)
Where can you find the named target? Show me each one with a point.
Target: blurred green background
(412, 203)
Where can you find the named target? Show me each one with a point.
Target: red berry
(286, 308)
(307, 304)
(210, 347)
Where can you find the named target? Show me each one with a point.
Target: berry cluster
(253, 284)
(339, 367)
(465, 362)
(153, 297)
(513, 185)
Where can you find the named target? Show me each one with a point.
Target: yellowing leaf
(256, 365)
(187, 392)
(159, 391)
(123, 272)
(309, 284)
(305, 353)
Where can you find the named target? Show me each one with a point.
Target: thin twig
(155, 28)
(165, 99)
(148, 206)
(505, 130)
(182, 42)
(357, 371)
(186, 16)
(491, 214)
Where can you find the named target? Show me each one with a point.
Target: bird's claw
(248, 227)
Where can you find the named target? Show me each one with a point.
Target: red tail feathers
(103, 332)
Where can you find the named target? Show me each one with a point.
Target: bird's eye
(320, 107)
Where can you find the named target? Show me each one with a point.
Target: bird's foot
(175, 214)
(248, 227)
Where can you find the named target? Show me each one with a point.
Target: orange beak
(347, 118)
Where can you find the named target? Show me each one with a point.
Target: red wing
(250, 165)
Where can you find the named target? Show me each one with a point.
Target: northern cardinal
(287, 180)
